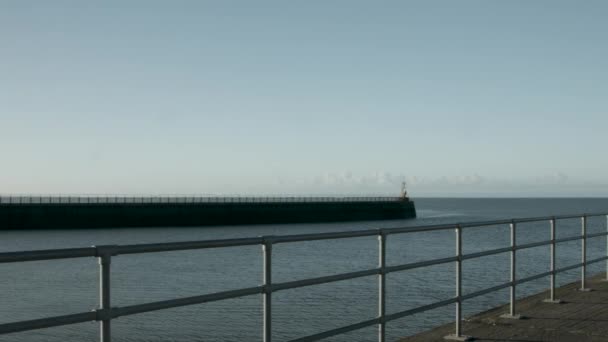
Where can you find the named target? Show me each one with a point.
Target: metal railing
(188, 199)
(106, 312)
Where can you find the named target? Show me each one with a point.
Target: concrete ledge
(581, 316)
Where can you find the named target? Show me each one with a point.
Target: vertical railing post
(458, 280)
(513, 229)
(513, 275)
(551, 298)
(104, 296)
(382, 286)
(267, 249)
(104, 314)
(457, 336)
(606, 247)
(584, 253)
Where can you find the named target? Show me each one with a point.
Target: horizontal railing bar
(568, 268)
(533, 219)
(484, 223)
(526, 219)
(589, 236)
(418, 229)
(174, 246)
(428, 307)
(566, 217)
(516, 220)
(570, 238)
(593, 261)
(140, 308)
(596, 214)
(400, 230)
(174, 303)
(338, 331)
(322, 280)
(485, 291)
(48, 254)
(533, 244)
(325, 236)
(391, 269)
(47, 322)
(177, 246)
(534, 277)
(486, 253)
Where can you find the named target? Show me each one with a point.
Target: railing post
(457, 336)
(382, 286)
(513, 275)
(104, 296)
(104, 314)
(267, 249)
(584, 253)
(606, 247)
(513, 229)
(551, 298)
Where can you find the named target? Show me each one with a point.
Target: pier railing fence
(188, 199)
(105, 313)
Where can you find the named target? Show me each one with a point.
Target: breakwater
(107, 212)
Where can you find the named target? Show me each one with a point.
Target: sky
(457, 98)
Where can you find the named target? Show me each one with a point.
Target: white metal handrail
(106, 312)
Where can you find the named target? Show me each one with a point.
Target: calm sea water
(37, 289)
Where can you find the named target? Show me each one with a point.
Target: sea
(38, 289)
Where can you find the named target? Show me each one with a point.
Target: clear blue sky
(467, 98)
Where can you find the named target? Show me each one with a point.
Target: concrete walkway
(583, 316)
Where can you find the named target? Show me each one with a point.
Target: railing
(106, 312)
(187, 199)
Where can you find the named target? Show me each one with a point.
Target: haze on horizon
(467, 98)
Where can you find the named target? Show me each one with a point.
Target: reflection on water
(38, 289)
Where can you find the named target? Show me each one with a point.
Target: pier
(579, 312)
(70, 212)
